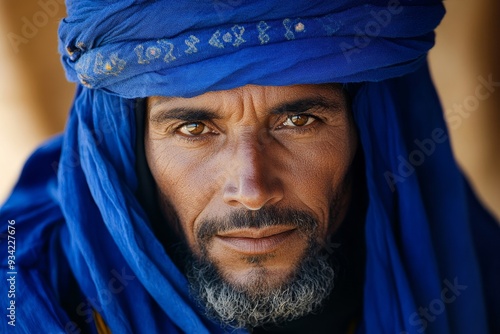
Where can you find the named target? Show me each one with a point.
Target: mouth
(256, 241)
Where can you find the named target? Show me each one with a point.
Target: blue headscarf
(82, 235)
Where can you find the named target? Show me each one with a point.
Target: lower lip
(256, 245)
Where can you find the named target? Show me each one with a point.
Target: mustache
(265, 217)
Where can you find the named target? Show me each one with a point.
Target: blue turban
(81, 234)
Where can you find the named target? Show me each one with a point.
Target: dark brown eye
(298, 120)
(193, 129)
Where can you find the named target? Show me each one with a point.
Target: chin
(256, 294)
(260, 279)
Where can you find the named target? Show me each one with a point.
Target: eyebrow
(304, 105)
(185, 114)
(188, 114)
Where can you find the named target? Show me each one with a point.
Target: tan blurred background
(35, 97)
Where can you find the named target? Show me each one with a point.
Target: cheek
(318, 177)
(182, 184)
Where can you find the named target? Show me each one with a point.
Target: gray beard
(258, 304)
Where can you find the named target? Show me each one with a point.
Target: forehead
(258, 96)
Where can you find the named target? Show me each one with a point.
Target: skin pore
(253, 179)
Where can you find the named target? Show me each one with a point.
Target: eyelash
(300, 130)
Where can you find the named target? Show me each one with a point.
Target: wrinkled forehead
(265, 97)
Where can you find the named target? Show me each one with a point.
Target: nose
(251, 181)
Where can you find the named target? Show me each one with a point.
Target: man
(266, 178)
(262, 168)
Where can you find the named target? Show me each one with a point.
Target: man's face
(254, 177)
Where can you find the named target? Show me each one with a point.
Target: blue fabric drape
(418, 225)
(77, 217)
